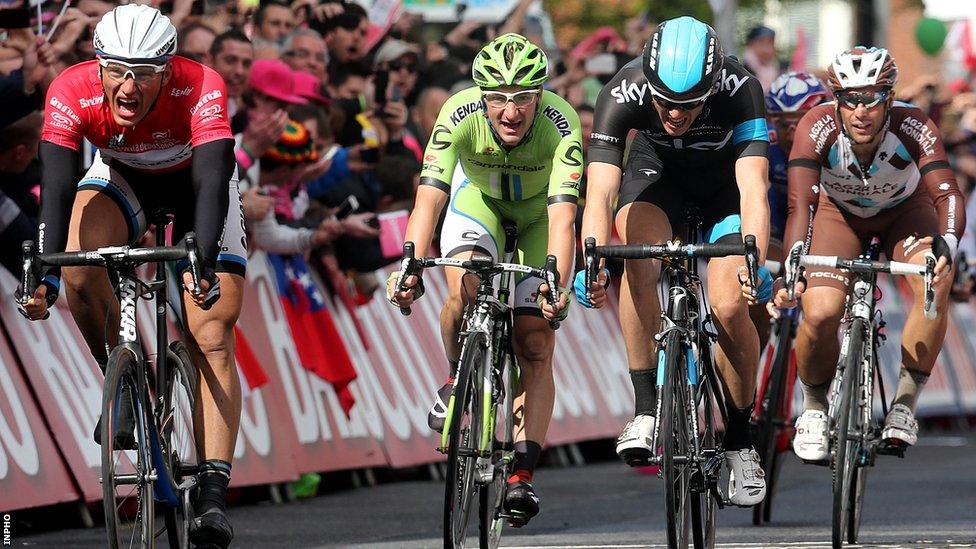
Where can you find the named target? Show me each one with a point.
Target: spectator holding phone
(401, 62)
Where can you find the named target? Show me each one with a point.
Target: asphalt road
(927, 499)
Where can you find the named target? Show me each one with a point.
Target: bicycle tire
(492, 495)
(859, 482)
(770, 417)
(459, 490)
(126, 528)
(703, 504)
(673, 430)
(844, 453)
(175, 426)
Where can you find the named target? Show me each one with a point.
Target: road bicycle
(686, 446)
(854, 429)
(479, 428)
(154, 468)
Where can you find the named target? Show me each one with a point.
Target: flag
(321, 349)
(247, 362)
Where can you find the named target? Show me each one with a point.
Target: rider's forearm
(423, 220)
(602, 185)
(212, 167)
(59, 169)
(752, 179)
(562, 239)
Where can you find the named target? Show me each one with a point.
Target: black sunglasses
(672, 106)
(396, 65)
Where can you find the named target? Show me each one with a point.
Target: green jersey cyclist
(521, 160)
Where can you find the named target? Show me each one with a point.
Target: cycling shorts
(172, 191)
(474, 222)
(844, 234)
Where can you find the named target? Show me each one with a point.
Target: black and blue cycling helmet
(683, 60)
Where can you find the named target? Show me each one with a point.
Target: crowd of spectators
(331, 121)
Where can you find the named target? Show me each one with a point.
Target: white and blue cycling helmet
(795, 92)
(683, 60)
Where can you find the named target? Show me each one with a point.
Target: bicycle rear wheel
(771, 418)
(674, 434)
(127, 494)
(463, 432)
(177, 452)
(845, 453)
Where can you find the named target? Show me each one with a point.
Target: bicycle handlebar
(480, 266)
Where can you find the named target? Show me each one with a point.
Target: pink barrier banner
(31, 470)
(66, 380)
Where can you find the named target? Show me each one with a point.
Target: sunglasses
(869, 99)
(398, 64)
(119, 70)
(500, 99)
(672, 106)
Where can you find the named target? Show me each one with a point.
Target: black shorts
(712, 189)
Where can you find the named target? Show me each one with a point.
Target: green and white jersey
(548, 161)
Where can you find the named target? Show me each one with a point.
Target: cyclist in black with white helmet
(701, 138)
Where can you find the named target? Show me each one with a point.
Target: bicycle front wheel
(462, 444)
(704, 477)
(675, 467)
(846, 447)
(177, 454)
(127, 487)
(492, 495)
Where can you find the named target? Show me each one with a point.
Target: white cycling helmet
(135, 33)
(861, 67)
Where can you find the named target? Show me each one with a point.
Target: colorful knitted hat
(293, 147)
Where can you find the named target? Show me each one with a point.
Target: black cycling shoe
(125, 432)
(521, 504)
(212, 530)
(437, 415)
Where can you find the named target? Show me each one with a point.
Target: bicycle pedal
(515, 520)
(888, 448)
(820, 462)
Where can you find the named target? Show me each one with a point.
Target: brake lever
(552, 281)
(752, 263)
(406, 269)
(193, 257)
(589, 254)
(793, 269)
(929, 307)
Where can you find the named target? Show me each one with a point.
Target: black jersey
(731, 125)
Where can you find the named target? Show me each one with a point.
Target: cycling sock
(815, 396)
(737, 434)
(645, 391)
(526, 457)
(214, 478)
(910, 384)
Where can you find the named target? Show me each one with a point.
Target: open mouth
(127, 107)
(678, 123)
(510, 128)
(861, 128)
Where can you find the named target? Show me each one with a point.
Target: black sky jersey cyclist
(701, 138)
(520, 156)
(161, 127)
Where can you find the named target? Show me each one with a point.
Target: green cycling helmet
(510, 60)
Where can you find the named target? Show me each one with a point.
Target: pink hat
(307, 86)
(274, 79)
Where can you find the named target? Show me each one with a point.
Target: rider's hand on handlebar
(406, 297)
(764, 291)
(942, 264)
(781, 298)
(36, 307)
(596, 296)
(550, 311)
(209, 289)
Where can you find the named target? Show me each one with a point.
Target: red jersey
(191, 110)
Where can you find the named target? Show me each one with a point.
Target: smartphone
(348, 207)
(603, 63)
(14, 14)
(380, 82)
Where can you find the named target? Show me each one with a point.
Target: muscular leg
(758, 314)
(96, 220)
(533, 343)
(738, 354)
(817, 344)
(453, 310)
(217, 415)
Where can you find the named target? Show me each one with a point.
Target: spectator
(401, 60)
(304, 50)
(194, 41)
(18, 150)
(231, 56)
(273, 21)
(309, 87)
(345, 34)
(424, 115)
(22, 89)
(760, 55)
